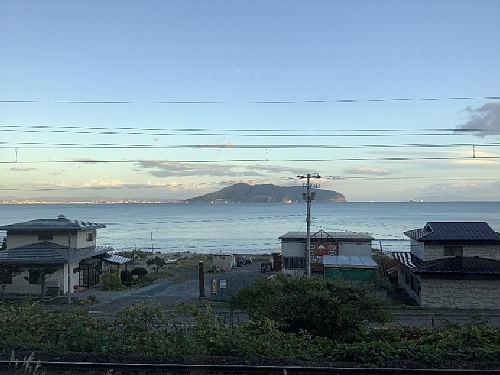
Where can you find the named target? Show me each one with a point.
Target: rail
(69, 368)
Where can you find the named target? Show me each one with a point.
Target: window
(45, 237)
(294, 263)
(456, 251)
(90, 237)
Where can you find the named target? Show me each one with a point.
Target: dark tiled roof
(452, 265)
(48, 253)
(327, 236)
(454, 231)
(58, 224)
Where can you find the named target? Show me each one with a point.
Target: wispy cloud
(483, 121)
(166, 168)
(103, 183)
(368, 171)
(16, 169)
(462, 191)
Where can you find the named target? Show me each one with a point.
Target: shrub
(126, 277)
(111, 282)
(139, 272)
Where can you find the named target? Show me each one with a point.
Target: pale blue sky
(195, 95)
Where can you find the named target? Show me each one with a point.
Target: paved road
(166, 294)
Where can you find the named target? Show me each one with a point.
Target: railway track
(90, 368)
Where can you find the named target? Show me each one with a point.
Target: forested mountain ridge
(265, 193)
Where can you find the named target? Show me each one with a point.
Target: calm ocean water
(249, 227)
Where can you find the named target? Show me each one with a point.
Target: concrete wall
(484, 251)
(460, 293)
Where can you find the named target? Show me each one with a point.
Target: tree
(320, 306)
(156, 263)
(40, 275)
(7, 272)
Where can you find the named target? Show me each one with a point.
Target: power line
(202, 102)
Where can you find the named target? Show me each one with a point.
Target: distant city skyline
(166, 100)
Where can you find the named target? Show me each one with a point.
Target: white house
(68, 245)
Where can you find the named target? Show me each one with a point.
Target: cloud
(104, 183)
(472, 191)
(482, 121)
(368, 170)
(166, 168)
(52, 183)
(16, 169)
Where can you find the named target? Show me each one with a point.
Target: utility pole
(309, 197)
(69, 269)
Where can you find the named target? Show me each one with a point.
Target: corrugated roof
(114, 258)
(48, 253)
(348, 261)
(452, 265)
(61, 223)
(454, 231)
(325, 236)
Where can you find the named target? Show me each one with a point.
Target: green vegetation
(190, 330)
(320, 306)
(312, 319)
(156, 263)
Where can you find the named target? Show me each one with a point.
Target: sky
(385, 100)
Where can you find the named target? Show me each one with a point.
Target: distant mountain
(265, 193)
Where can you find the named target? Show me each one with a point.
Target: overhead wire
(319, 101)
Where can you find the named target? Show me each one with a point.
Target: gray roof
(327, 236)
(451, 265)
(454, 231)
(349, 261)
(59, 224)
(48, 253)
(114, 258)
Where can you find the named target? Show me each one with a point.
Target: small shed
(349, 267)
(224, 261)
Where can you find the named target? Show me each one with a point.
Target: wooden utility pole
(308, 197)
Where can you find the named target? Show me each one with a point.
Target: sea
(249, 228)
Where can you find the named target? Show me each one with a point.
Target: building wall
(460, 293)
(78, 241)
(293, 249)
(417, 248)
(21, 286)
(355, 248)
(411, 283)
(433, 252)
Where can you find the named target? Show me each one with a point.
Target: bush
(139, 272)
(111, 282)
(320, 306)
(126, 277)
